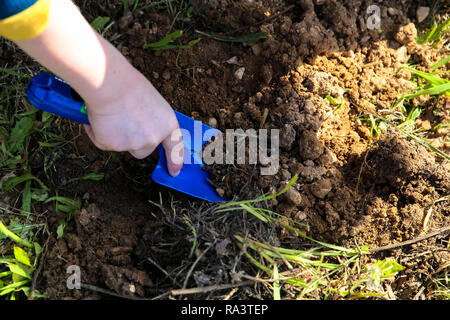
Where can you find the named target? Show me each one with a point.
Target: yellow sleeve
(28, 23)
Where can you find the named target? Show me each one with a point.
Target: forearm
(70, 48)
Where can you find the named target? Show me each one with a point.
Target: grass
(325, 267)
(247, 38)
(403, 114)
(26, 133)
(440, 284)
(167, 42)
(16, 269)
(435, 33)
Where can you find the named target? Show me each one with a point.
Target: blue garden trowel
(52, 94)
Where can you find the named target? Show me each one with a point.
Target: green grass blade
(440, 89)
(432, 79)
(99, 23)
(11, 287)
(14, 181)
(244, 38)
(13, 236)
(26, 197)
(166, 40)
(15, 74)
(22, 256)
(90, 176)
(18, 134)
(333, 100)
(441, 63)
(276, 283)
(15, 268)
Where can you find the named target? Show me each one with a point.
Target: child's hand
(137, 121)
(125, 111)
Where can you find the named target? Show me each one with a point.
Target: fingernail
(174, 174)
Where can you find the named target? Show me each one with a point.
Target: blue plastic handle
(49, 93)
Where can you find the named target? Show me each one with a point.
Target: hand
(137, 121)
(125, 111)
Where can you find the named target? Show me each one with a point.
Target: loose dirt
(351, 189)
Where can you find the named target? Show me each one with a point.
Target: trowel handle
(49, 93)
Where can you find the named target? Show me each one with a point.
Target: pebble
(363, 132)
(220, 192)
(233, 60)
(239, 73)
(155, 75)
(301, 215)
(422, 13)
(402, 54)
(212, 122)
(293, 196)
(392, 11)
(425, 124)
(256, 49)
(321, 188)
(287, 137)
(309, 107)
(166, 74)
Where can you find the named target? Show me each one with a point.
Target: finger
(174, 148)
(142, 153)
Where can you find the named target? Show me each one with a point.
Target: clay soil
(134, 237)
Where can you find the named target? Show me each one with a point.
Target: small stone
(256, 49)
(221, 247)
(220, 192)
(83, 217)
(401, 54)
(321, 188)
(233, 60)
(422, 13)
(293, 196)
(239, 73)
(287, 137)
(166, 74)
(309, 107)
(392, 11)
(310, 148)
(363, 132)
(425, 124)
(155, 75)
(285, 174)
(212, 122)
(301, 215)
(403, 74)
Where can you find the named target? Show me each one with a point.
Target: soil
(351, 188)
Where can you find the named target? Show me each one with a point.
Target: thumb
(174, 149)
